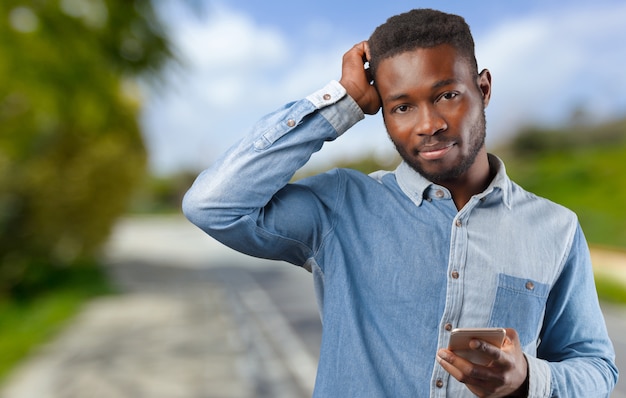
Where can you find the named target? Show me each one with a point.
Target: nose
(429, 121)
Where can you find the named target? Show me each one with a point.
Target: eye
(401, 109)
(450, 95)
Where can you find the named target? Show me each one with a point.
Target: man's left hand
(505, 376)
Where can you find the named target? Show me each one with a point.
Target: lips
(435, 152)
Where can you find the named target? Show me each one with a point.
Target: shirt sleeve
(575, 357)
(237, 199)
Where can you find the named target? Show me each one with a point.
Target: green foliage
(365, 164)
(610, 290)
(582, 169)
(70, 147)
(369, 164)
(162, 195)
(26, 322)
(534, 141)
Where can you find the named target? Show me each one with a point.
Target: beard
(475, 144)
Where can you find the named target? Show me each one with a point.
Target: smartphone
(460, 339)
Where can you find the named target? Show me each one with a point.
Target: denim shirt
(396, 266)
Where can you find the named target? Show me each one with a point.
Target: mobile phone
(461, 337)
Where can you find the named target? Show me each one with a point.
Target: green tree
(70, 147)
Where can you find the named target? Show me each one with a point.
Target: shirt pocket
(520, 304)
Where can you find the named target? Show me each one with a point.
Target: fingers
(354, 60)
(366, 48)
(486, 349)
(355, 79)
(362, 49)
(462, 369)
(505, 373)
(483, 381)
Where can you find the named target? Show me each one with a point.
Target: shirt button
(448, 327)
(327, 97)
(455, 274)
(291, 122)
(530, 285)
(439, 193)
(458, 223)
(439, 383)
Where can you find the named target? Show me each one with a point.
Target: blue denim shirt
(396, 266)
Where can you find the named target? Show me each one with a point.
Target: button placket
(454, 294)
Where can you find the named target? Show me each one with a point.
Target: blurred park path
(192, 319)
(196, 319)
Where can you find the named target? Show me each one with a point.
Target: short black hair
(421, 28)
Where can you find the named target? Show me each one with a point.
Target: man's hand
(356, 81)
(506, 375)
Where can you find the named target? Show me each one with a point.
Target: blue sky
(244, 58)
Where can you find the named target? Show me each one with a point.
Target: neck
(474, 181)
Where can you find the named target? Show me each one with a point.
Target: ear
(484, 84)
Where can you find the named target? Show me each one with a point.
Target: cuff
(344, 114)
(328, 95)
(539, 378)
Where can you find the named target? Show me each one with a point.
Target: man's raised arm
(226, 199)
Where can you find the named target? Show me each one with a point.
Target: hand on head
(356, 80)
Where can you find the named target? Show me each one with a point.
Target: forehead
(422, 68)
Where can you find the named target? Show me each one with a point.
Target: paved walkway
(171, 337)
(176, 330)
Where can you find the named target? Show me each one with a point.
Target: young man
(401, 258)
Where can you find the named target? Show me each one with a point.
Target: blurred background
(110, 108)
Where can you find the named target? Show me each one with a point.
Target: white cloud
(233, 72)
(226, 40)
(545, 66)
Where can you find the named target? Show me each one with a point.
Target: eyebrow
(437, 85)
(397, 97)
(443, 83)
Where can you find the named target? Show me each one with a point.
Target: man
(401, 258)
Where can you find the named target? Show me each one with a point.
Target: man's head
(433, 98)
(421, 28)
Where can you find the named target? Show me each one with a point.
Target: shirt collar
(414, 184)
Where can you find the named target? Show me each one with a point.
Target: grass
(29, 322)
(580, 168)
(610, 290)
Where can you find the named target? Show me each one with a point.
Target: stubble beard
(476, 143)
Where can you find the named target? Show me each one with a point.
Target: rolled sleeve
(345, 114)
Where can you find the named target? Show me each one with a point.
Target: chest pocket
(520, 304)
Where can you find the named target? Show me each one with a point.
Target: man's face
(434, 110)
